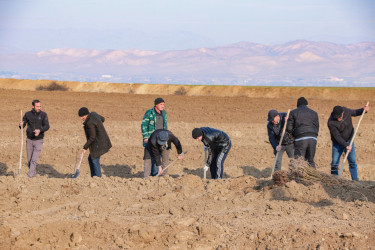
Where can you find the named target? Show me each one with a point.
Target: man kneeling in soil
(341, 128)
(97, 139)
(157, 150)
(218, 144)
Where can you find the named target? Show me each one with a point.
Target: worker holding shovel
(37, 123)
(97, 139)
(275, 126)
(342, 131)
(157, 149)
(218, 144)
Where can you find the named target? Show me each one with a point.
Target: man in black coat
(37, 123)
(275, 126)
(341, 129)
(97, 139)
(303, 124)
(218, 144)
(157, 149)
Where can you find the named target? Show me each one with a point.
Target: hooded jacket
(342, 131)
(275, 131)
(35, 120)
(97, 138)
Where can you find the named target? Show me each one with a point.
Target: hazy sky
(33, 25)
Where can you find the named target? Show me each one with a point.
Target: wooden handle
(281, 139)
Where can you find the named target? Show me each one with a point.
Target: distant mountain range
(297, 63)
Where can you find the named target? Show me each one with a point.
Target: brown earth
(122, 210)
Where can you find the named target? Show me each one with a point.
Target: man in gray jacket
(97, 139)
(37, 124)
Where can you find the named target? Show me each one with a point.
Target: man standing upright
(303, 124)
(97, 139)
(37, 123)
(154, 119)
(275, 126)
(341, 128)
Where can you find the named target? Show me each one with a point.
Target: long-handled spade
(170, 164)
(352, 140)
(281, 139)
(20, 164)
(205, 168)
(75, 175)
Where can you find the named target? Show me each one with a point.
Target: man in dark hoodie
(218, 144)
(341, 128)
(157, 149)
(303, 124)
(37, 124)
(97, 139)
(275, 126)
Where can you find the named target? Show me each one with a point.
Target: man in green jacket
(97, 139)
(153, 119)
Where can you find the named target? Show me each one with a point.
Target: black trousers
(306, 148)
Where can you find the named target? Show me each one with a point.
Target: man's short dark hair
(35, 101)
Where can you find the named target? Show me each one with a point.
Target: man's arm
(177, 143)
(337, 136)
(272, 138)
(290, 123)
(23, 122)
(45, 123)
(144, 125)
(156, 154)
(92, 136)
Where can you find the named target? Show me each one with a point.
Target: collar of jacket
(34, 112)
(87, 118)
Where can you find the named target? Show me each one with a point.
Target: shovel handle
(281, 140)
(20, 164)
(162, 171)
(351, 141)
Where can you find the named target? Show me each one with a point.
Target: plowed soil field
(245, 210)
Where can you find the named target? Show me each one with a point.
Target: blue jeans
(337, 151)
(154, 168)
(95, 169)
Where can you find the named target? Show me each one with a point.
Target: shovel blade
(75, 175)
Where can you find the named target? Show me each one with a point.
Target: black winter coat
(34, 121)
(155, 149)
(275, 131)
(303, 122)
(215, 139)
(342, 131)
(97, 138)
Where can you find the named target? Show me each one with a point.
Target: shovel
(20, 164)
(170, 164)
(75, 175)
(352, 140)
